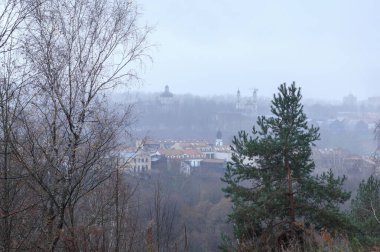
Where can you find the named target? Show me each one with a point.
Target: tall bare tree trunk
(117, 218)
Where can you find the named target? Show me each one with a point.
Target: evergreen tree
(270, 179)
(365, 209)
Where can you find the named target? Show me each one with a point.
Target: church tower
(166, 100)
(219, 141)
(254, 101)
(238, 100)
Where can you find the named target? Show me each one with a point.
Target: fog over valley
(188, 126)
(347, 124)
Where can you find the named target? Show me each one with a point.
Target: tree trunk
(117, 232)
(292, 214)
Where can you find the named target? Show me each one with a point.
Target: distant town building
(247, 105)
(238, 100)
(181, 154)
(185, 155)
(166, 98)
(374, 102)
(136, 163)
(218, 164)
(223, 152)
(219, 140)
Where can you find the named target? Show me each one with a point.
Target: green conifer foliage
(365, 209)
(270, 179)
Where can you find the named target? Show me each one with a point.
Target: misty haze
(166, 126)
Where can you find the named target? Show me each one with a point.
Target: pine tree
(270, 179)
(365, 209)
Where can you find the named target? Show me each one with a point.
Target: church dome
(166, 93)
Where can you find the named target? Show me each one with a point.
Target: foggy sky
(330, 48)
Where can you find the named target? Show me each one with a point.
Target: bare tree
(76, 51)
(126, 229)
(13, 86)
(107, 218)
(12, 14)
(163, 215)
(11, 175)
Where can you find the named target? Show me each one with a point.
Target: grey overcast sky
(329, 47)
